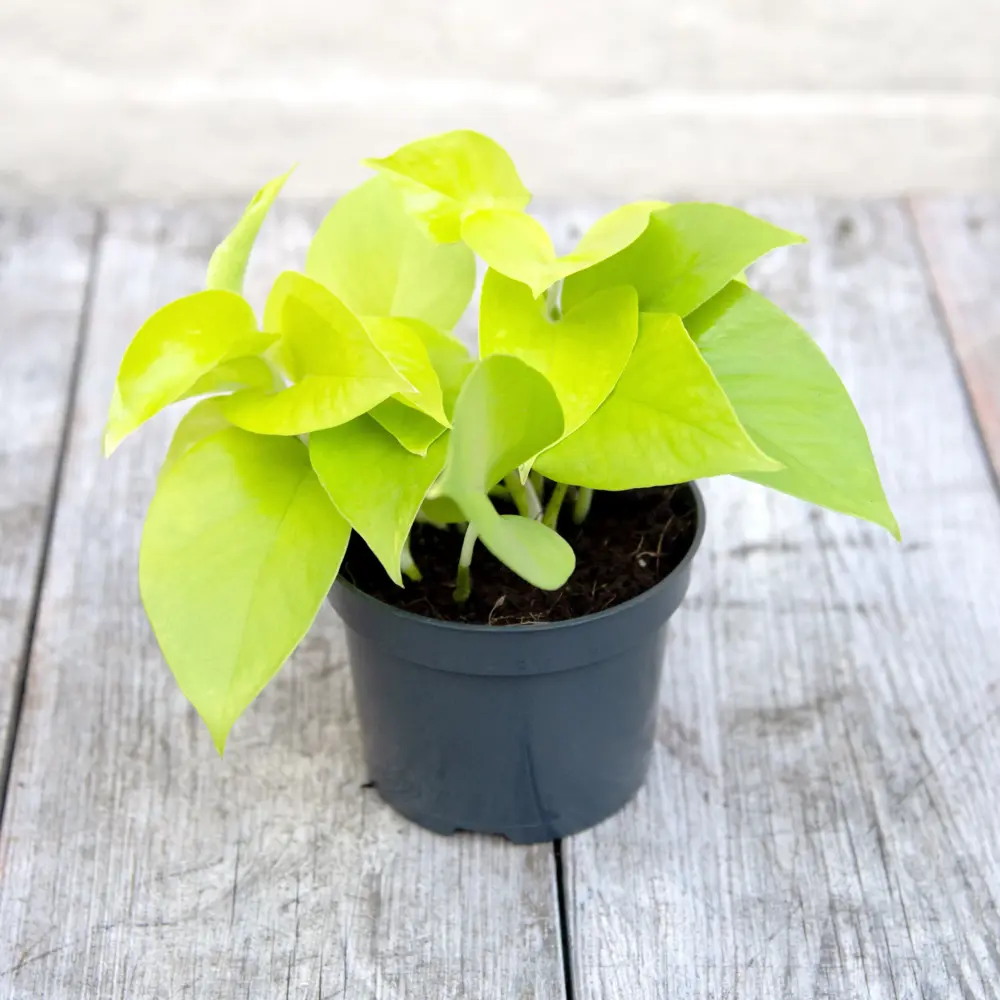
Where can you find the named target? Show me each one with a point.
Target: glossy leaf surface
(337, 370)
(414, 430)
(204, 419)
(506, 413)
(447, 176)
(374, 257)
(667, 421)
(375, 483)
(240, 548)
(582, 355)
(178, 345)
(240, 373)
(228, 264)
(518, 246)
(792, 403)
(688, 252)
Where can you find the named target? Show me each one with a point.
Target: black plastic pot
(529, 731)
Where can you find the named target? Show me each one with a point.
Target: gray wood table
(822, 818)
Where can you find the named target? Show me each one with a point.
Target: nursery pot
(529, 731)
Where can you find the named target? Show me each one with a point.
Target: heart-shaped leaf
(414, 430)
(173, 349)
(374, 257)
(447, 176)
(792, 403)
(228, 264)
(240, 548)
(518, 246)
(201, 421)
(667, 421)
(687, 253)
(401, 342)
(582, 355)
(506, 413)
(337, 370)
(375, 483)
(240, 373)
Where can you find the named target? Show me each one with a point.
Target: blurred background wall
(112, 99)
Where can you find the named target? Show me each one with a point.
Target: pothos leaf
(337, 370)
(582, 355)
(240, 547)
(506, 413)
(792, 403)
(374, 257)
(447, 176)
(666, 421)
(375, 483)
(228, 264)
(687, 253)
(518, 246)
(178, 345)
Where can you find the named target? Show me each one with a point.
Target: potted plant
(505, 538)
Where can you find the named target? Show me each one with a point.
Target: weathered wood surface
(134, 862)
(961, 239)
(45, 258)
(823, 813)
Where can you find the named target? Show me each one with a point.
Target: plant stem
(581, 505)
(463, 579)
(517, 492)
(551, 517)
(407, 565)
(552, 308)
(534, 504)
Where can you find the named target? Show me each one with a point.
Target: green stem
(551, 517)
(581, 505)
(552, 307)
(407, 565)
(463, 579)
(517, 493)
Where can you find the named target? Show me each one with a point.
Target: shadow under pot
(533, 732)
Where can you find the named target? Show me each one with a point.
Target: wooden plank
(822, 818)
(961, 239)
(45, 259)
(136, 863)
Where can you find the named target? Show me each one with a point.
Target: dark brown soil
(629, 542)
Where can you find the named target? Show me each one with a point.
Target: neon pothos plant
(640, 358)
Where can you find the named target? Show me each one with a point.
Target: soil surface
(629, 542)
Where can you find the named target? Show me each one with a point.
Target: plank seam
(943, 320)
(563, 910)
(55, 490)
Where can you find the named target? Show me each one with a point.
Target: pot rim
(534, 628)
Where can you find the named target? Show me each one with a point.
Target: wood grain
(137, 864)
(823, 813)
(961, 240)
(45, 259)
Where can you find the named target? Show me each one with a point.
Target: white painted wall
(146, 98)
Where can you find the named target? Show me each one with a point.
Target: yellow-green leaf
(240, 373)
(173, 349)
(687, 253)
(792, 403)
(374, 257)
(518, 246)
(201, 421)
(506, 413)
(337, 371)
(240, 547)
(582, 355)
(375, 483)
(451, 361)
(445, 177)
(402, 342)
(228, 265)
(666, 421)
(414, 430)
